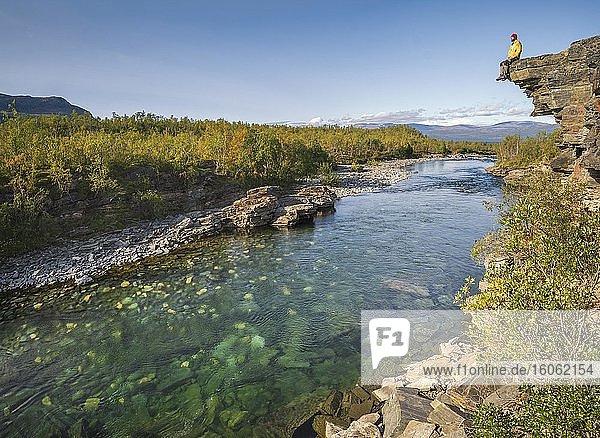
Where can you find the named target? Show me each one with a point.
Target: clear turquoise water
(239, 335)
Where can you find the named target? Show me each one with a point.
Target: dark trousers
(505, 67)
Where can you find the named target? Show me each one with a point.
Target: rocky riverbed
(82, 260)
(371, 178)
(410, 406)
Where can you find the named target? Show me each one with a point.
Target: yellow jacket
(515, 50)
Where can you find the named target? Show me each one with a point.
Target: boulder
(320, 422)
(294, 215)
(418, 429)
(370, 418)
(449, 420)
(415, 406)
(384, 393)
(459, 433)
(333, 403)
(320, 196)
(456, 398)
(253, 211)
(269, 205)
(332, 430)
(357, 429)
(392, 416)
(361, 393)
(357, 410)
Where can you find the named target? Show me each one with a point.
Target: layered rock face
(271, 205)
(567, 86)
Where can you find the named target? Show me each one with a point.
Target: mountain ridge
(489, 133)
(461, 132)
(36, 106)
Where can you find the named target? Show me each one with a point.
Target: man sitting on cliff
(514, 53)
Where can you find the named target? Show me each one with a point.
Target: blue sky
(278, 60)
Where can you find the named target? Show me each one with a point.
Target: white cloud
(398, 117)
(481, 114)
(485, 110)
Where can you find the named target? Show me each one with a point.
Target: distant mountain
(490, 134)
(39, 105)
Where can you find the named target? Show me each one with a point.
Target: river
(234, 336)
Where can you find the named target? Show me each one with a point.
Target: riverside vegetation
(78, 174)
(516, 152)
(552, 241)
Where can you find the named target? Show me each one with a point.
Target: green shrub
(357, 167)
(24, 222)
(492, 422)
(546, 411)
(560, 411)
(516, 152)
(149, 204)
(554, 242)
(100, 181)
(554, 239)
(328, 175)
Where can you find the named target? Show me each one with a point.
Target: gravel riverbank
(82, 260)
(372, 178)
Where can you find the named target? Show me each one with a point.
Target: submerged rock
(403, 286)
(91, 404)
(257, 342)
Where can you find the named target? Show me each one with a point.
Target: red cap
(514, 35)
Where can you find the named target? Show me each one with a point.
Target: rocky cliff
(567, 86)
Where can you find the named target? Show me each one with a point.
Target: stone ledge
(567, 86)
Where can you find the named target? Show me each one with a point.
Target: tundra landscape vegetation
(50, 162)
(50, 158)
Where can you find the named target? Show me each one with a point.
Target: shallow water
(238, 335)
